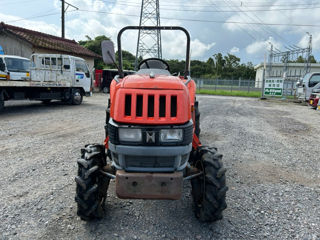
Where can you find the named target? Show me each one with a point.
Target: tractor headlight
(130, 135)
(171, 135)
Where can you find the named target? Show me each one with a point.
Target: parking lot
(271, 150)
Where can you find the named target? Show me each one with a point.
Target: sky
(243, 28)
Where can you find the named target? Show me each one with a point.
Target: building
(294, 71)
(24, 42)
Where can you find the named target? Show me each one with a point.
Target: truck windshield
(17, 65)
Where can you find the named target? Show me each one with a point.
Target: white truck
(46, 77)
(307, 84)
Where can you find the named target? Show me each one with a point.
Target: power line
(170, 4)
(245, 30)
(19, 2)
(210, 11)
(206, 5)
(266, 29)
(28, 18)
(183, 19)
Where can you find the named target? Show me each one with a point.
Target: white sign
(273, 86)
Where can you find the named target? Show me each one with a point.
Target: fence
(242, 85)
(227, 84)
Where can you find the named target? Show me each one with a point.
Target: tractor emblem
(150, 137)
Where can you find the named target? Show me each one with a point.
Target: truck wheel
(105, 90)
(209, 190)
(1, 101)
(197, 118)
(46, 102)
(76, 97)
(92, 186)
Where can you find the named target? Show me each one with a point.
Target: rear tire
(209, 190)
(92, 186)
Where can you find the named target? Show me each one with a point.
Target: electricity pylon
(149, 41)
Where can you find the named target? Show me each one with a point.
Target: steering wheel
(154, 63)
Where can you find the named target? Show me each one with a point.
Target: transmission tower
(292, 53)
(308, 62)
(149, 41)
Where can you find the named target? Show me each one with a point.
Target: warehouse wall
(15, 46)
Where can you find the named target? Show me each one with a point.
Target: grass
(255, 94)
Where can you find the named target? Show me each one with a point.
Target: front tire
(209, 190)
(105, 90)
(46, 101)
(197, 119)
(76, 97)
(1, 101)
(91, 185)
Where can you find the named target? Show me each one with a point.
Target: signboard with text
(273, 87)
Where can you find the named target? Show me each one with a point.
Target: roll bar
(187, 67)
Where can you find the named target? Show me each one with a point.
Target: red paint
(145, 86)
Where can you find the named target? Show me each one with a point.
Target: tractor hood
(151, 100)
(144, 81)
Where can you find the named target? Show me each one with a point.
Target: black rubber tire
(46, 102)
(209, 190)
(76, 97)
(1, 101)
(91, 184)
(107, 121)
(105, 90)
(197, 118)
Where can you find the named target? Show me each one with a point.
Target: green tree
(95, 46)
(219, 63)
(230, 67)
(300, 59)
(312, 59)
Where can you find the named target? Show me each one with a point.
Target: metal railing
(243, 85)
(227, 84)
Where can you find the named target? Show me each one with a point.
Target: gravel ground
(271, 150)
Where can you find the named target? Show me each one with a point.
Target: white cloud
(259, 47)
(40, 26)
(315, 41)
(234, 50)
(198, 48)
(174, 46)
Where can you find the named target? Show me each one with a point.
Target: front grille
(149, 162)
(151, 106)
(163, 106)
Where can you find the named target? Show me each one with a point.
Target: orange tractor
(152, 141)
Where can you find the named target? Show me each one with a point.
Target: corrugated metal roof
(47, 41)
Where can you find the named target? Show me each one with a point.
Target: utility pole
(149, 41)
(62, 18)
(63, 11)
(270, 59)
